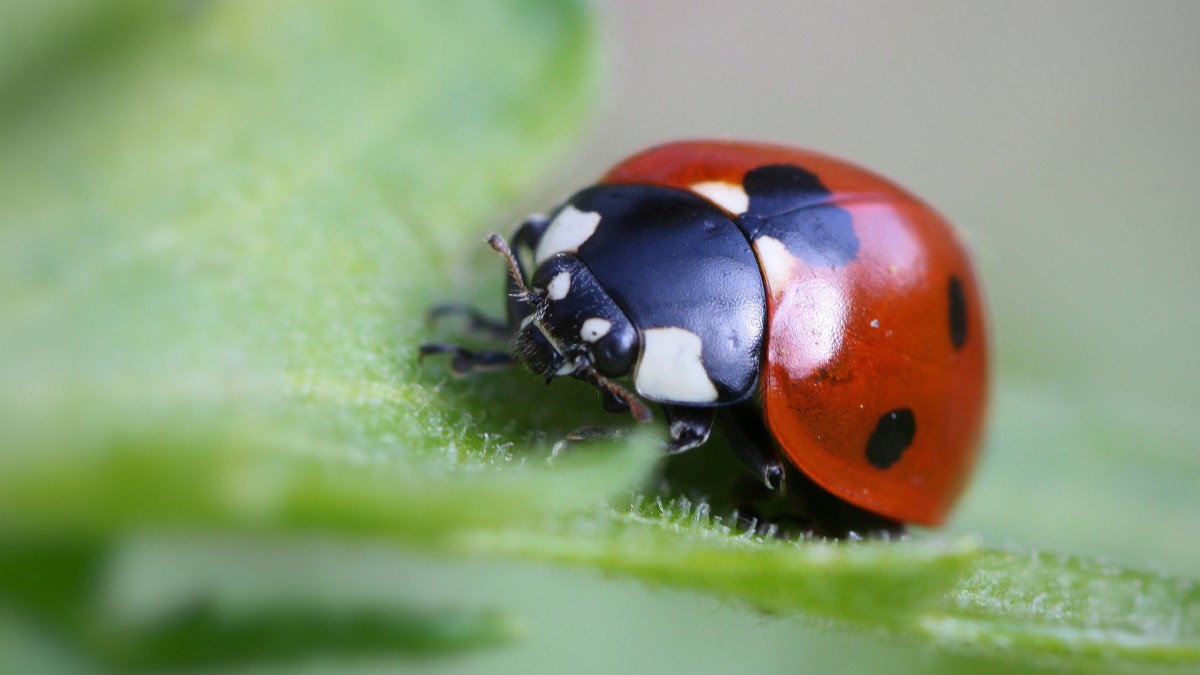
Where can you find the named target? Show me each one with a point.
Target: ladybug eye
(613, 351)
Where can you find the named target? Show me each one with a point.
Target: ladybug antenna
(636, 408)
(514, 268)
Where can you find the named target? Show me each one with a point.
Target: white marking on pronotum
(594, 328)
(565, 369)
(729, 196)
(671, 368)
(559, 286)
(777, 263)
(566, 233)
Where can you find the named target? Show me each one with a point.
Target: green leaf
(135, 484)
(1058, 605)
(681, 545)
(62, 587)
(220, 222)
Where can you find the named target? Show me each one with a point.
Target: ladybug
(827, 320)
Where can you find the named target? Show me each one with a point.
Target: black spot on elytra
(958, 313)
(893, 434)
(791, 205)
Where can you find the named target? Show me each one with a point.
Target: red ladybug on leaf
(819, 313)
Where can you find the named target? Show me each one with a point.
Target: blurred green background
(220, 224)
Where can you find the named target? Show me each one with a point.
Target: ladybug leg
(585, 434)
(690, 427)
(527, 237)
(530, 232)
(477, 322)
(743, 427)
(805, 506)
(464, 361)
(615, 404)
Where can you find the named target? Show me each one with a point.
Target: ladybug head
(565, 323)
(578, 320)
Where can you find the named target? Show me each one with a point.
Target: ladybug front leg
(690, 428)
(464, 361)
(585, 434)
(478, 323)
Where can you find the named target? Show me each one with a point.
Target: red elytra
(856, 353)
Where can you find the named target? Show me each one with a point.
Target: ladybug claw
(690, 427)
(772, 476)
(752, 445)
